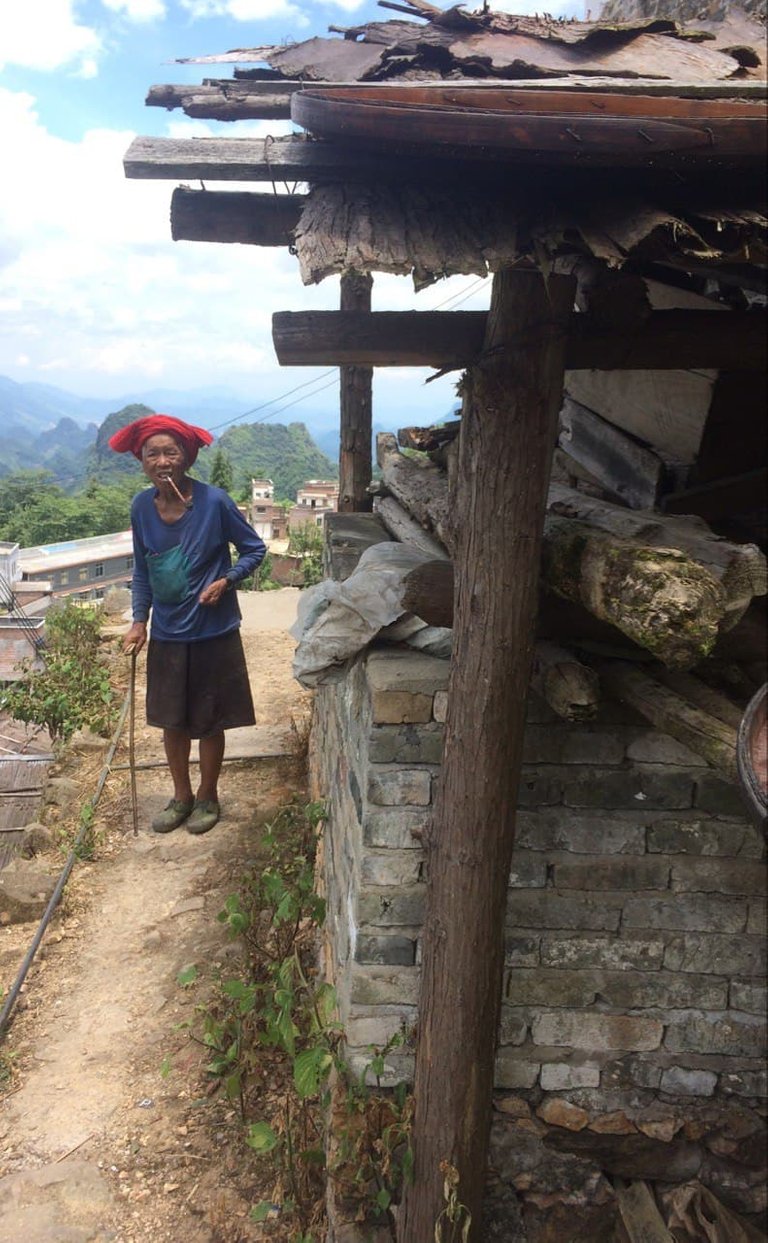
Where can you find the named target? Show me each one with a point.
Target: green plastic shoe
(172, 816)
(203, 818)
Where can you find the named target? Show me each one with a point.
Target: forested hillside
(286, 455)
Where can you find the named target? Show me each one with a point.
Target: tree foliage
(286, 455)
(35, 510)
(222, 475)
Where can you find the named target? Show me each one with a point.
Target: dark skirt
(199, 688)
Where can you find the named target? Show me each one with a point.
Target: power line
(271, 401)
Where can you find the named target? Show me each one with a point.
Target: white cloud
(137, 10)
(46, 35)
(244, 10)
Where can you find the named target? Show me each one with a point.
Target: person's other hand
(136, 637)
(214, 591)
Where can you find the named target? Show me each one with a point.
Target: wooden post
(509, 429)
(356, 389)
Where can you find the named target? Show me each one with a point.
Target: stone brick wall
(632, 1027)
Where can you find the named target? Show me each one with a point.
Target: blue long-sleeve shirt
(175, 561)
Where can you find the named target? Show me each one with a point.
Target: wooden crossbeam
(235, 216)
(667, 340)
(294, 158)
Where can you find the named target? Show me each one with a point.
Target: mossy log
(570, 688)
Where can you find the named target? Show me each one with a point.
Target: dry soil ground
(98, 1143)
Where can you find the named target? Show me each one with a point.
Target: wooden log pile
(659, 592)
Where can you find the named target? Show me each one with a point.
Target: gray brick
(543, 908)
(405, 744)
(521, 951)
(395, 670)
(395, 951)
(384, 986)
(390, 867)
(611, 953)
(440, 707)
(596, 872)
(721, 876)
(376, 1029)
(607, 834)
(513, 1027)
(400, 787)
(698, 836)
(548, 744)
(598, 1033)
(398, 828)
(646, 788)
(751, 1083)
(678, 1081)
(390, 908)
(757, 921)
(713, 952)
(706, 1034)
(650, 747)
(690, 912)
(528, 871)
(540, 789)
(561, 1076)
(551, 988)
(718, 796)
(749, 997)
(512, 1071)
(663, 989)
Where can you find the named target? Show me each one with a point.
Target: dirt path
(108, 1133)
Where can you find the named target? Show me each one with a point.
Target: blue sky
(94, 295)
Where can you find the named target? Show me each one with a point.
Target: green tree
(222, 475)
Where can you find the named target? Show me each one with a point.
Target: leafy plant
(73, 687)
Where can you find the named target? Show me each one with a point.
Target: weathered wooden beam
(234, 216)
(399, 523)
(356, 409)
(707, 736)
(668, 340)
(428, 592)
(504, 467)
(627, 470)
(227, 100)
(295, 158)
(422, 489)
(571, 689)
(427, 439)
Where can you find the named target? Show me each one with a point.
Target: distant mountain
(286, 455)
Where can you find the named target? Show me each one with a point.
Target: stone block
(663, 990)
(25, 890)
(562, 744)
(718, 954)
(729, 838)
(528, 871)
(393, 951)
(398, 1068)
(538, 711)
(610, 953)
(561, 1076)
(599, 832)
(725, 876)
(61, 792)
(411, 671)
(749, 997)
(514, 1071)
(440, 706)
(645, 788)
(650, 747)
(680, 1081)
(551, 988)
(757, 920)
(377, 1029)
(750, 1083)
(539, 789)
(513, 1027)
(390, 908)
(558, 1112)
(718, 796)
(400, 787)
(398, 828)
(384, 986)
(725, 1036)
(596, 872)
(405, 744)
(521, 951)
(690, 912)
(390, 867)
(630, 1071)
(544, 908)
(598, 1033)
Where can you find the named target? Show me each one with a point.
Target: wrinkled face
(162, 458)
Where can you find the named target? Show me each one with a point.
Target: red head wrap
(130, 439)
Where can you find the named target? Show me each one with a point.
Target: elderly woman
(197, 682)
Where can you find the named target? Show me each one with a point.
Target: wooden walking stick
(132, 740)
